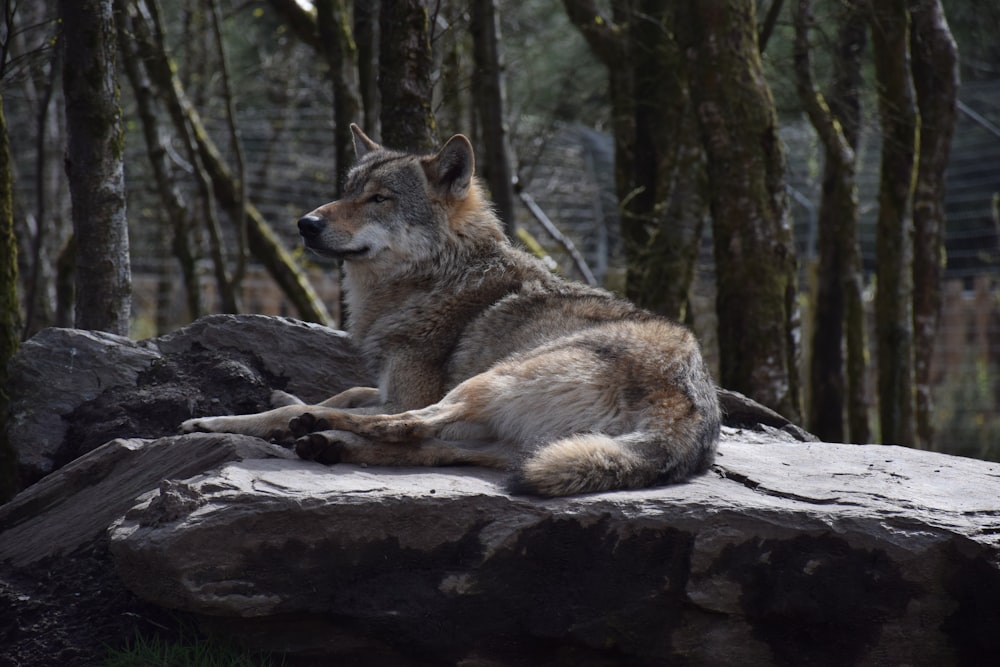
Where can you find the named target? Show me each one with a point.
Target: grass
(189, 650)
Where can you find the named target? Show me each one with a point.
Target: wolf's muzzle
(311, 226)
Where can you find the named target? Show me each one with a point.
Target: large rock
(76, 390)
(786, 553)
(74, 508)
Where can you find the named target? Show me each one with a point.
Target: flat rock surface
(786, 553)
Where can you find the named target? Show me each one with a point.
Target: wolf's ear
(363, 145)
(450, 171)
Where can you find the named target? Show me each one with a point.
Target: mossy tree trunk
(330, 31)
(893, 269)
(836, 385)
(10, 309)
(404, 83)
(490, 102)
(94, 166)
(754, 254)
(659, 160)
(333, 18)
(261, 239)
(366, 38)
(175, 212)
(935, 80)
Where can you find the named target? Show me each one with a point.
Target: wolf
(484, 356)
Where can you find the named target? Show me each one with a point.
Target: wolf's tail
(590, 462)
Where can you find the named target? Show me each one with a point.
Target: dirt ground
(70, 611)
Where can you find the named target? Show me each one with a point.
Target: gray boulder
(787, 552)
(73, 390)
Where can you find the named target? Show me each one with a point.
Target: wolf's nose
(310, 226)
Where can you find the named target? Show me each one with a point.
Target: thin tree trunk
(754, 254)
(366, 37)
(845, 103)
(404, 82)
(894, 299)
(39, 310)
(239, 221)
(836, 123)
(10, 310)
(174, 209)
(333, 19)
(262, 241)
(659, 161)
(176, 100)
(936, 81)
(94, 166)
(490, 99)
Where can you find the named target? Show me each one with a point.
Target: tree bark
(754, 254)
(174, 210)
(845, 103)
(490, 100)
(232, 295)
(38, 250)
(94, 166)
(262, 241)
(659, 160)
(366, 37)
(10, 310)
(936, 81)
(404, 82)
(333, 18)
(894, 299)
(836, 122)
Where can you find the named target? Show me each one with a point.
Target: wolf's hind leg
(412, 426)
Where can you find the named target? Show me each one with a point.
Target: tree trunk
(94, 166)
(232, 297)
(10, 310)
(836, 122)
(263, 243)
(935, 80)
(404, 81)
(754, 254)
(175, 211)
(38, 250)
(490, 100)
(894, 299)
(845, 103)
(659, 161)
(333, 19)
(366, 37)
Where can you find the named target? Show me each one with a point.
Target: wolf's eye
(378, 199)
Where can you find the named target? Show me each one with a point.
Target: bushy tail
(590, 462)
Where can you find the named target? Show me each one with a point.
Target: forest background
(804, 182)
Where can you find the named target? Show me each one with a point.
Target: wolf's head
(401, 210)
